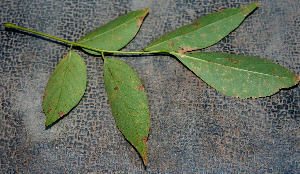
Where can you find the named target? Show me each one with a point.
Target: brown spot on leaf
(61, 113)
(171, 43)
(140, 88)
(145, 139)
(116, 89)
(230, 59)
(196, 23)
(186, 49)
(224, 89)
(297, 78)
(49, 110)
(45, 95)
(119, 38)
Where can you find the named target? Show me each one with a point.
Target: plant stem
(102, 55)
(9, 25)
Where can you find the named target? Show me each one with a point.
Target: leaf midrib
(238, 69)
(192, 31)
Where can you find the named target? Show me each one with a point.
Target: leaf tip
(145, 160)
(146, 10)
(141, 19)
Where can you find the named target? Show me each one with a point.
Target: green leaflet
(65, 88)
(115, 34)
(239, 76)
(128, 102)
(202, 33)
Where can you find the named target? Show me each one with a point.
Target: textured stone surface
(194, 128)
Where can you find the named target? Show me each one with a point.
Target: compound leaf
(65, 88)
(128, 102)
(115, 34)
(239, 76)
(202, 33)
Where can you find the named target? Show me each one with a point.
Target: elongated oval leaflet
(239, 76)
(128, 102)
(65, 88)
(115, 34)
(203, 32)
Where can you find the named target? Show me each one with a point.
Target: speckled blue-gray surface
(194, 128)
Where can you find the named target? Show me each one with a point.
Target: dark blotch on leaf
(196, 23)
(116, 89)
(49, 110)
(230, 59)
(145, 139)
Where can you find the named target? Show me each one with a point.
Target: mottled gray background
(194, 128)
